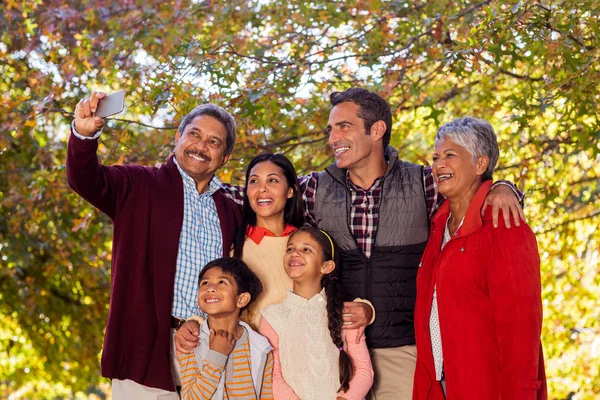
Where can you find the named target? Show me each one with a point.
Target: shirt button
(320, 299)
(368, 235)
(369, 193)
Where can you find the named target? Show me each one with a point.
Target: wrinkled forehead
(208, 124)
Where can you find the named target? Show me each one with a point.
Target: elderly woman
(478, 315)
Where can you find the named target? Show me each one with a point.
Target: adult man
(168, 222)
(377, 208)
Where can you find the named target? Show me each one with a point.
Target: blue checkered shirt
(200, 242)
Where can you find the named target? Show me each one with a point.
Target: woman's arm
(281, 390)
(361, 360)
(515, 293)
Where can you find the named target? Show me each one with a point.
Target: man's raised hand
(86, 124)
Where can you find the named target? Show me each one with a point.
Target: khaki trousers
(394, 373)
(128, 389)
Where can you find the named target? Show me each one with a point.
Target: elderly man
(168, 223)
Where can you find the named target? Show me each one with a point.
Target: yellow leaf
(11, 4)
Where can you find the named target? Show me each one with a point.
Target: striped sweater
(217, 376)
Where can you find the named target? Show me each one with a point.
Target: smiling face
(454, 171)
(268, 192)
(348, 139)
(218, 294)
(200, 148)
(303, 259)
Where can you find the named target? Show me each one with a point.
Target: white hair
(475, 135)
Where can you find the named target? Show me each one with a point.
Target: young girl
(313, 357)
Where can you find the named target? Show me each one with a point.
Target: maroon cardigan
(146, 206)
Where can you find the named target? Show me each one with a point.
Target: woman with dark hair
(273, 209)
(478, 315)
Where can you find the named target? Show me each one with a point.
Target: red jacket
(490, 310)
(146, 207)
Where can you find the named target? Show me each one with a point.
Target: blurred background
(532, 68)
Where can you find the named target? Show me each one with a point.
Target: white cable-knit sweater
(301, 325)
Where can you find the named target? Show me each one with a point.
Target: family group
(375, 278)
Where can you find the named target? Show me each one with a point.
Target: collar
(317, 300)
(190, 184)
(472, 219)
(255, 338)
(391, 157)
(257, 233)
(356, 188)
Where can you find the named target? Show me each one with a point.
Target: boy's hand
(221, 341)
(187, 337)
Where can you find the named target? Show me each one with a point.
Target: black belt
(176, 322)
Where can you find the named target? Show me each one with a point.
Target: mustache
(199, 154)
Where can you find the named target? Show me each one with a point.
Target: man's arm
(503, 195)
(106, 188)
(308, 189)
(235, 193)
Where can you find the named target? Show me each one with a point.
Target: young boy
(232, 361)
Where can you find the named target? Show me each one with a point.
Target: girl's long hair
(294, 207)
(335, 300)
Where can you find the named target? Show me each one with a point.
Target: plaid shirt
(364, 205)
(200, 242)
(364, 209)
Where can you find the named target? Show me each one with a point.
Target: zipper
(380, 206)
(348, 226)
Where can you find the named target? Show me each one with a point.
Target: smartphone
(111, 104)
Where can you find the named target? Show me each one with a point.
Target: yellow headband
(330, 241)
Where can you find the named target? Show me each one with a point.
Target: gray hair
(475, 135)
(219, 114)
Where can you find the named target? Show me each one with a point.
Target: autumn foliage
(532, 68)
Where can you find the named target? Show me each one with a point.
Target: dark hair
(335, 299)
(219, 114)
(246, 280)
(294, 207)
(373, 108)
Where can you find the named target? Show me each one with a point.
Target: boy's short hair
(246, 280)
